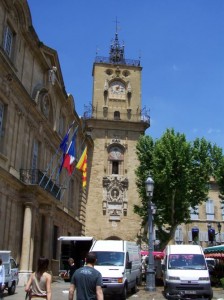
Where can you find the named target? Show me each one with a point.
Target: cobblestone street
(60, 292)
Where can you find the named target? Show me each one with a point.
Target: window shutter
(190, 236)
(206, 236)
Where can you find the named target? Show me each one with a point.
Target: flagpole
(62, 162)
(66, 182)
(69, 177)
(52, 159)
(50, 163)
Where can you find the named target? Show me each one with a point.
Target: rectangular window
(210, 209)
(115, 167)
(8, 41)
(3, 127)
(194, 212)
(1, 118)
(76, 198)
(178, 235)
(62, 125)
(34, 161)
(71, 194)
(55, 242)
(222, 210)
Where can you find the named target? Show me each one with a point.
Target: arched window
(116, 158)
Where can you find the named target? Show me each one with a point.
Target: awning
(214, 249)
(156, 254)
(215, 255)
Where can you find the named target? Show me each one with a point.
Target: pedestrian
(39, 283)
(87, 281)
(72, 268)
(2, 279)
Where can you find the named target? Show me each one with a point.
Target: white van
(11, 271)
(186, 272)
(119, 262)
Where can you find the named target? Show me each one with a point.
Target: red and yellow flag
(82, 166)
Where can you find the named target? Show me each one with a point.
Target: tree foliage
(181, 171)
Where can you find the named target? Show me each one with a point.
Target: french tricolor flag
(70, 156)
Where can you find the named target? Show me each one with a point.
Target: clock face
(117, 89)
(115, 153)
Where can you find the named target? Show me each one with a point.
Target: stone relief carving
(115, 200)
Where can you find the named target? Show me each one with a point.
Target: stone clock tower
(115, 122)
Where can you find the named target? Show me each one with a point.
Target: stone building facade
(115, 121)
(206, 227)
(36, 204)
(35, 113)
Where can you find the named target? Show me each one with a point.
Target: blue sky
(181, 45)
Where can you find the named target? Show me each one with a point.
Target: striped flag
(82, 166)
(70, 156)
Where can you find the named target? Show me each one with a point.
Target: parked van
(11, 271)
(186, 272)
(119, 262)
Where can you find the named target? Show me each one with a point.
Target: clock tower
(115, 121)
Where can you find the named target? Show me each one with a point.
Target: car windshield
(105, 258)
(187, 262)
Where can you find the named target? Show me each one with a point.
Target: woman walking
(39, 283)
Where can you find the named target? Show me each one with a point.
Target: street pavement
(60, 292)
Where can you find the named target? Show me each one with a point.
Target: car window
(13, 263)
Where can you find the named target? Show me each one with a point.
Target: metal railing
(107, 60)
(106, 115)
(38, 177)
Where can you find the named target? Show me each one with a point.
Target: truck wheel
(134, 289)
(124, 293)
(12, 289)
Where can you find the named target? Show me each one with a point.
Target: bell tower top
(117, 89)
(116, 51)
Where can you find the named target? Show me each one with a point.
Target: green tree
(181, 171)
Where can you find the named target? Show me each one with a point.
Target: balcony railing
(38, 177)
(107, 60)
(116, 116)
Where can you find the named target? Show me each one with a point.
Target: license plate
(190, 292)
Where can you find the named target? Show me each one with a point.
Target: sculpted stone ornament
(115, 197)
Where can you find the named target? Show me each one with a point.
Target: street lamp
(150, 273)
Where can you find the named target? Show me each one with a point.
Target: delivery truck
(75, 247)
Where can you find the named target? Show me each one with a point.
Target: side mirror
(163, 267)
(129, 265)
